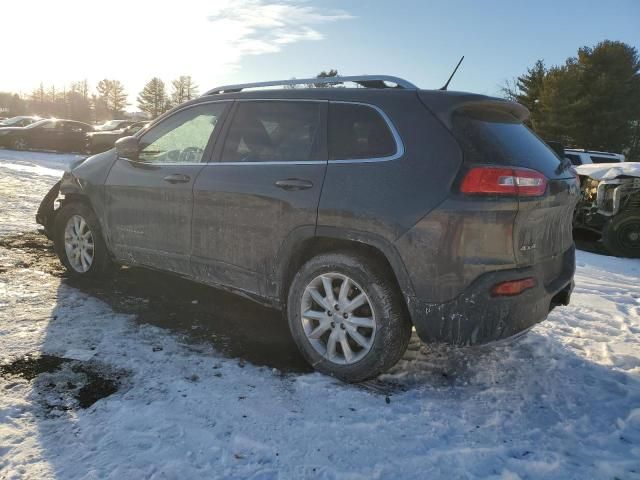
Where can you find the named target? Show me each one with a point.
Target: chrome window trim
(394, 133)
(275, 162)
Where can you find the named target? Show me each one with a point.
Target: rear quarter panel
(386, 198)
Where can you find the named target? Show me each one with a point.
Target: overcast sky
(235, 41)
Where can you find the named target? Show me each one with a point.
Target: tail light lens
(513, 287)
(517, 182)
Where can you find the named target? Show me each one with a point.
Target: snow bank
(38, 163)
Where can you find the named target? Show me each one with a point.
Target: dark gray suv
(361, 212)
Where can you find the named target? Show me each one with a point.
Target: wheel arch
(303, 247)
(77, 195)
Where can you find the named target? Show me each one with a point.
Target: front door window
(181, 138)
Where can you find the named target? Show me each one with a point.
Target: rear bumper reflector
(513, 287)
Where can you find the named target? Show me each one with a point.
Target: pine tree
(113, 95)
(591, 101)
(153, 98)
(331, 73)
(183, 90)
(529, 88)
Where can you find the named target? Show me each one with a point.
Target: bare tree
(183, 90)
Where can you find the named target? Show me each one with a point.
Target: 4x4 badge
(526, 248)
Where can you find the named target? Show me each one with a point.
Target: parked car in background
(610, 206)
(111, 125)
(362, 212)
(101, 141)
(585, 157)
(20, 121)
(51, 134)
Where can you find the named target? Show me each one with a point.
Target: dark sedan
(101, 141)
(52, 134)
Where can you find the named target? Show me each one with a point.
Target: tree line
(109, 99)
(592, 101)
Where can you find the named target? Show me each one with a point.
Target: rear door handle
(177, 178)
(294, 184)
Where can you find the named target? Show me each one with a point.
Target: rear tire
(19, 144)
(621, 236)
(375, 334)
(79, 243)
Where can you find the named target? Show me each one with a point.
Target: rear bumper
(475, 317)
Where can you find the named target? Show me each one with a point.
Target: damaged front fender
(45, 215)
(82, 178)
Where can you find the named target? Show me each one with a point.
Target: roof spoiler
(445, 104)
(519, 111)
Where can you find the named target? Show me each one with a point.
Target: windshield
(110, 125)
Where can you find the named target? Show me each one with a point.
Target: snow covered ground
(561, 402)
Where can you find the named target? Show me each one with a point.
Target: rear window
(273, 131)
(599, 159)
(496, 137)
(358, 132)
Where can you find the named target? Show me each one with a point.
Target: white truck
(610, 205)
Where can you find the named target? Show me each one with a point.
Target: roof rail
(367, 81)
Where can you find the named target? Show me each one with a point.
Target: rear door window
(358, 132)
(273, 131)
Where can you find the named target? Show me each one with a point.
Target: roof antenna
(454, 72)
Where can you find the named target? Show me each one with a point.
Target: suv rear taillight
(522, 182)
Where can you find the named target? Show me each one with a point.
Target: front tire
(79, 243)
(621, 236)
(347, 317)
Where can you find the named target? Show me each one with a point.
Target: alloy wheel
(79, 244)
(20, 144)
(338, 318)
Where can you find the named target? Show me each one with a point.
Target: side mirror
(127, 147)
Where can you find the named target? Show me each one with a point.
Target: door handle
(177, 178)
(294, 184)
